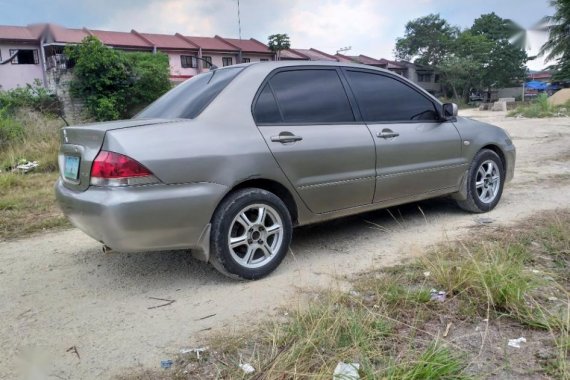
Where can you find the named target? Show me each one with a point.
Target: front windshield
(188, 99)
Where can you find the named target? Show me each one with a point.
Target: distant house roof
(211, 43)
(122, 39)
(316, 55)
(366, 60)
(167, 41)
(67, 35)
(344, 58)
(248, 46)
(390, 64)
(540, 75)
(18, 33)
(291, 54)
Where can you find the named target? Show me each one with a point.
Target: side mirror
(449, 111)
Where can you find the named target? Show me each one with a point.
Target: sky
(369, 27)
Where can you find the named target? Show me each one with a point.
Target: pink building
(39, 49)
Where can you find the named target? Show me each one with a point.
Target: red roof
(365, 60)
(124, 39)
(540, 75)
(248, 46)
(167, 41)
(211, 43)
(344, 58)
(67, 35)
(292, 54)
(315, 55)
(17, 33)
(390, 64)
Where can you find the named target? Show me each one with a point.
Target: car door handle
(285, 137)
(387, 134)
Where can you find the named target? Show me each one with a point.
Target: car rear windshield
(188, 99)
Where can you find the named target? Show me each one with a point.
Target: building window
(424, 77)
(227, 61)
(25, 56)
(208, 62)
(264, 60)
(187, 61)
(436, 78)
(245, 60)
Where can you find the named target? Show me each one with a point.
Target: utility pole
(239, 20)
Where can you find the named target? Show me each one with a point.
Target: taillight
(114, 169)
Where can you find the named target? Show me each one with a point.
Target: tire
(483, 191)
(259, 243)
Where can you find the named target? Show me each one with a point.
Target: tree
(505, 61)
(557, 48)
(278, 42)
(114, 83)
(427, 39)
(464, 68)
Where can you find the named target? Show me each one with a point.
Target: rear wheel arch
(273, 187)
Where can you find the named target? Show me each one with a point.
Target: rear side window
(311, 96)
(190, 98)
(382, 99)
(266, 110)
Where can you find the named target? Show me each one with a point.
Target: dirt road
(59, 292)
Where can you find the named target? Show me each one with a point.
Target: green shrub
(32, 96)
(10, 130)
(114, 83)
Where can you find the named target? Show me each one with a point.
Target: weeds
(505, 279)
(27, 204)
(541, 108)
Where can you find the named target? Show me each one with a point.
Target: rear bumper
(143, 218)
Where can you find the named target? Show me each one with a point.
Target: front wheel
(251, 233)
(485, 182)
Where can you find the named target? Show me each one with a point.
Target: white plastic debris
(196, 350)
(26, 167)
(247, 368)
(516, 343)
(427, 274)
(437, 296)
(346, 371)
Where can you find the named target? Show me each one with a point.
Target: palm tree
(279, 42)
(558, 28)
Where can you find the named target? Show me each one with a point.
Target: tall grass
(540, 108)
(389, 325)
(37, 140)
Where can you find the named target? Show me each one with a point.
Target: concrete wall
(509, 92)
(256, 57)
(11, 75)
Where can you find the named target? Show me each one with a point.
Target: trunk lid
(81, 144)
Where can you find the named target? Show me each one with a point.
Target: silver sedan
(227, 163)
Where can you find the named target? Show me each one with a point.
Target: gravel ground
(71, 312)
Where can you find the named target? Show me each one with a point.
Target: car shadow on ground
(339, 236)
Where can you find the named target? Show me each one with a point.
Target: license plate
(71, 167)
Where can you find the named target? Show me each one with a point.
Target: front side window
(311, 96)
(188, 99)
(383, 99)
(25, 56)
(187, 61)
(227, 61)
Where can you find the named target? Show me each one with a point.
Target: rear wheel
(251, 233)
(484, 183)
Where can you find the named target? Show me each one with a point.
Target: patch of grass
(540, 108)
(27, 204)
(506, 283)
(38, 142)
